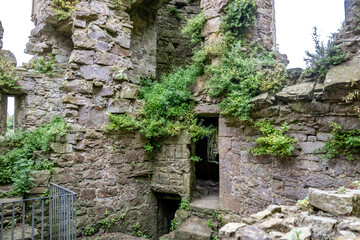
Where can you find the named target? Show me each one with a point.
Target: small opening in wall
(207, 170)
(167, 206)
(10, 115)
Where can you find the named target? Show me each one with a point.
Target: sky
(295, 20)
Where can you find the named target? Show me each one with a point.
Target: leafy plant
(89, 231)
(341, 190)
(19, 162)
(296, 234)
(324, 58)
(44, 65)
(8, 76)
(304, 204)
(175, 12)
(345, 142)
(195, 158)
(192, 29)
(138, 231)
(63, 8)
(174, 224)
(274, 141)
(239, 17)
(184, 204)
(117, 3)
(168, 109)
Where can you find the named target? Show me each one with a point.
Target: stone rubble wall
(249, 184)
(1, 35)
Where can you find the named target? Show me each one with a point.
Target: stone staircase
(198, 222)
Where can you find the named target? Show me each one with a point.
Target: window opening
(10, 115)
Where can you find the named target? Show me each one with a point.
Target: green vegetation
(274, 141)
(44, 65)
(296, 234)
(17, 164)
(174, 224)
(355, 185)
(184, 204)
(345, 142)
(137, 230)
(8, 76)
(324, 58)
(168, 109)
(304, 204)
(104, 224)
(175, 12)
(10, 124)
(64, 8)
(341, 190)
(117, 3)
(245, 70)
(193, 27)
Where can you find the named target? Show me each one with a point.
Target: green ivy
(64, 8)
(345, 142)
(193, 28)
(324, 58)
(8, 76)
(273, 141)
(19, 162)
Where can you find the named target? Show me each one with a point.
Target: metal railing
(23, 219)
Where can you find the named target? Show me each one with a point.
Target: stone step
(18, 232)
(193, 228)
(205, 206)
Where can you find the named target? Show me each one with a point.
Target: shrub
(64, 8)
(324, 58)
(239, 17)
(274, 141)
(17, 164)
(345, 142)
(168, 109)
(44, 65)
(8, 76)
(193, 27)
(175, 12)
(244, 72)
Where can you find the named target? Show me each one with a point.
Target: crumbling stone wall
(249, 183)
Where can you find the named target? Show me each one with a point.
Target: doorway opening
(207, 170)
(167, 206)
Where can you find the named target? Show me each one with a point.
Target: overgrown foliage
(175, 12)
(239, 17)
(245, 70)
(168, 109)
(324, 58)
(274, 141)
(17, 164)
(8, 76)
(193, 27)
(64, 8)
(345, 142)
(44, 65)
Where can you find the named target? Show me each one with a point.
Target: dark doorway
(208, 150)
(167, 206)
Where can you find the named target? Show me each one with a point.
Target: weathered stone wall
(172, 48)
(249, 183)
(1, 35)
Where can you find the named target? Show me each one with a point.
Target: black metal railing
(52, 217)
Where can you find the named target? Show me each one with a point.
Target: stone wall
(172, 48)
(1, 35)
(249, 183)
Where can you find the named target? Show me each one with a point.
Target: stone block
(335, 202)
(229, 230)
(343, 76)
(305, 234)
(82, 56)
(252, 233)
(119, 106)
(77, 86)
(302, 91)
(129, 91)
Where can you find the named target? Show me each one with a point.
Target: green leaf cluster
(274, 141)
(175, 12)
(8, 76)
(193, 28)
(244, 72)
(168, 109)
(239, 17)
(345, 142)
(324, 58)
(19, 162)
(64, 8)
(44, 65)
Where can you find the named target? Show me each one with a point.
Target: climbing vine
(17, 164)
